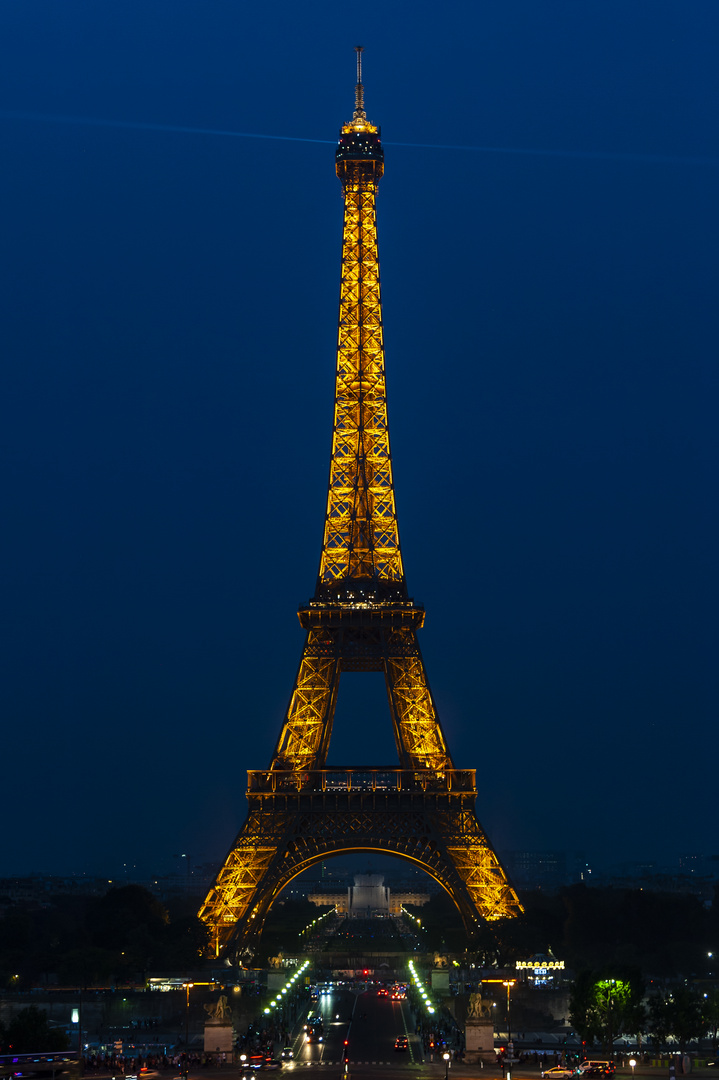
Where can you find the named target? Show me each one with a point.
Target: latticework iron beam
(296, 819)
(360, 619)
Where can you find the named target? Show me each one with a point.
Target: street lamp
(509, 983)
(77, 1019)
(188, 987)
(632, 1064)
(445, 1055)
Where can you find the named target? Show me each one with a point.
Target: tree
(29, 1031)
(685, 1015)
(604, 1004)
(711, 1015)
(187, 939)
(659, 1025)
(87, 967)
(114, 919)
(618, 1005)
(581, 1007)
(659, 932)
(679, 1013)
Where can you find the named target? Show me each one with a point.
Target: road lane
(336, 1010)
(371, 1024)
(377, 1023)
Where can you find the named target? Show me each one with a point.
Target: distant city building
(546, 869)
(700, 865)
(37, 890)
(368, 897)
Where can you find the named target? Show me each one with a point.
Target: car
(594, 1067)
(287, 1053)
(558, 1071)
(401, 1042)
(382, 992)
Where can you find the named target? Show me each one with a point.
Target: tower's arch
(332, 850)
(297, 819)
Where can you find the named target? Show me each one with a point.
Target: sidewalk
(531, 1071)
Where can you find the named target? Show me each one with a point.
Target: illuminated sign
(540, 967)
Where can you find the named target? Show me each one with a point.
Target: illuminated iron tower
(360, 618)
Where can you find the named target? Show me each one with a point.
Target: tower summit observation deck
(360, 618)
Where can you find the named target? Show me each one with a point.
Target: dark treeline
(283, 934)
(87, 941)
(664, 934)
(127, 933)
(29, 1032)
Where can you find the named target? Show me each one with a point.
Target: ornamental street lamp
(445, 1055)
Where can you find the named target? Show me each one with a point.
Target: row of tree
(667, 934)
(89, 941)
(609, 1003)
(29, 1032)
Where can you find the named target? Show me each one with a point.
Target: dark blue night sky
(169, 320)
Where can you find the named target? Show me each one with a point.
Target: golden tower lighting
(360, 618)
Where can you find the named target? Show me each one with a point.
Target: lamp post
(77, 1019)
(445, 1055)
(188, 987)
(509, 983)
(632, 1064)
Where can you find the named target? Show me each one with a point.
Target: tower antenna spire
(359, 113)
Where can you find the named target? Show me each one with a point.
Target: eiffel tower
(360, 618)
